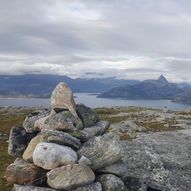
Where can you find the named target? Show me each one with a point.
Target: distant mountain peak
(162, 79)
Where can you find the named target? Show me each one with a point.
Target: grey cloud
(122, 38)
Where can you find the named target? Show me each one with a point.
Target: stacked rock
(66, 148)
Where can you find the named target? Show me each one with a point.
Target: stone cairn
(67, 148)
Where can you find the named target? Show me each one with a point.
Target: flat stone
(62, 98)
(70, 177)
(102, 151)
(61, 138)
(50, 155)
(22, 172)
(119, 169)
(111, 182)
(91, 187)
(28, 153)
(18, 141)
(88, 116)
(30, 120)
(31, 188)
(98, 129)
(63, 121)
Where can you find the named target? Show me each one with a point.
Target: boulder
(62, 98)
(18, 141)
(31, 188)
(51, 136)
(91, 187)
(40, 123)
(84, 161)
(119, 169)
(158, 161)
(30, 120)
(22, 172)
(28, 153)
(61, 138)
(111, 182)
(88, 116)
(98, 129)
(70, 177)
(50, 155)
(63, 121)
(102, 151)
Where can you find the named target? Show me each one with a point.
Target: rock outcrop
(67, 148)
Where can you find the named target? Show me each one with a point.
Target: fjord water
(92, 101)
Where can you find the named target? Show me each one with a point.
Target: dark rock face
(30, 120)
(159, 161)
(22, 172)
(18, 141)
(64, 121)
(87, 115)
(102, 151)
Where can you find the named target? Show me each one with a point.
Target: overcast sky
(131, 39)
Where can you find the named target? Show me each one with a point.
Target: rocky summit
(69, 148)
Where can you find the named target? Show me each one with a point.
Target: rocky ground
(154, 145)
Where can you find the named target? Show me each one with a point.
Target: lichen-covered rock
(159, 160)
(84, 161)
(119, 169)
(30, 120)
(70, 177)
(102, 151)
(18, 141)
(97, 129)
(62, 98)
(61, 138)
(91, 187)
(40, 123)
(63, 121)
(31, 188)
(22, 172)
(50, 155)
(111, 182)
(88, 116)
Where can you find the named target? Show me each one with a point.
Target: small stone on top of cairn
(67, 148)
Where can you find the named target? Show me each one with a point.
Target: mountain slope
(42, 85)
(148, 89)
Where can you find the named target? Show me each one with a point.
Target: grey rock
(70, 177)
(18, 141)
(97, 129)
(50, 155)
(22, 172)
(62, 138)
(91, 187)
(111, 182)
(64, 121)
(119, 169)
(30, 120)
(160, 161)
(31, 188)
(84, 161)
(102, 150)
(62, 98)
(88, 116)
